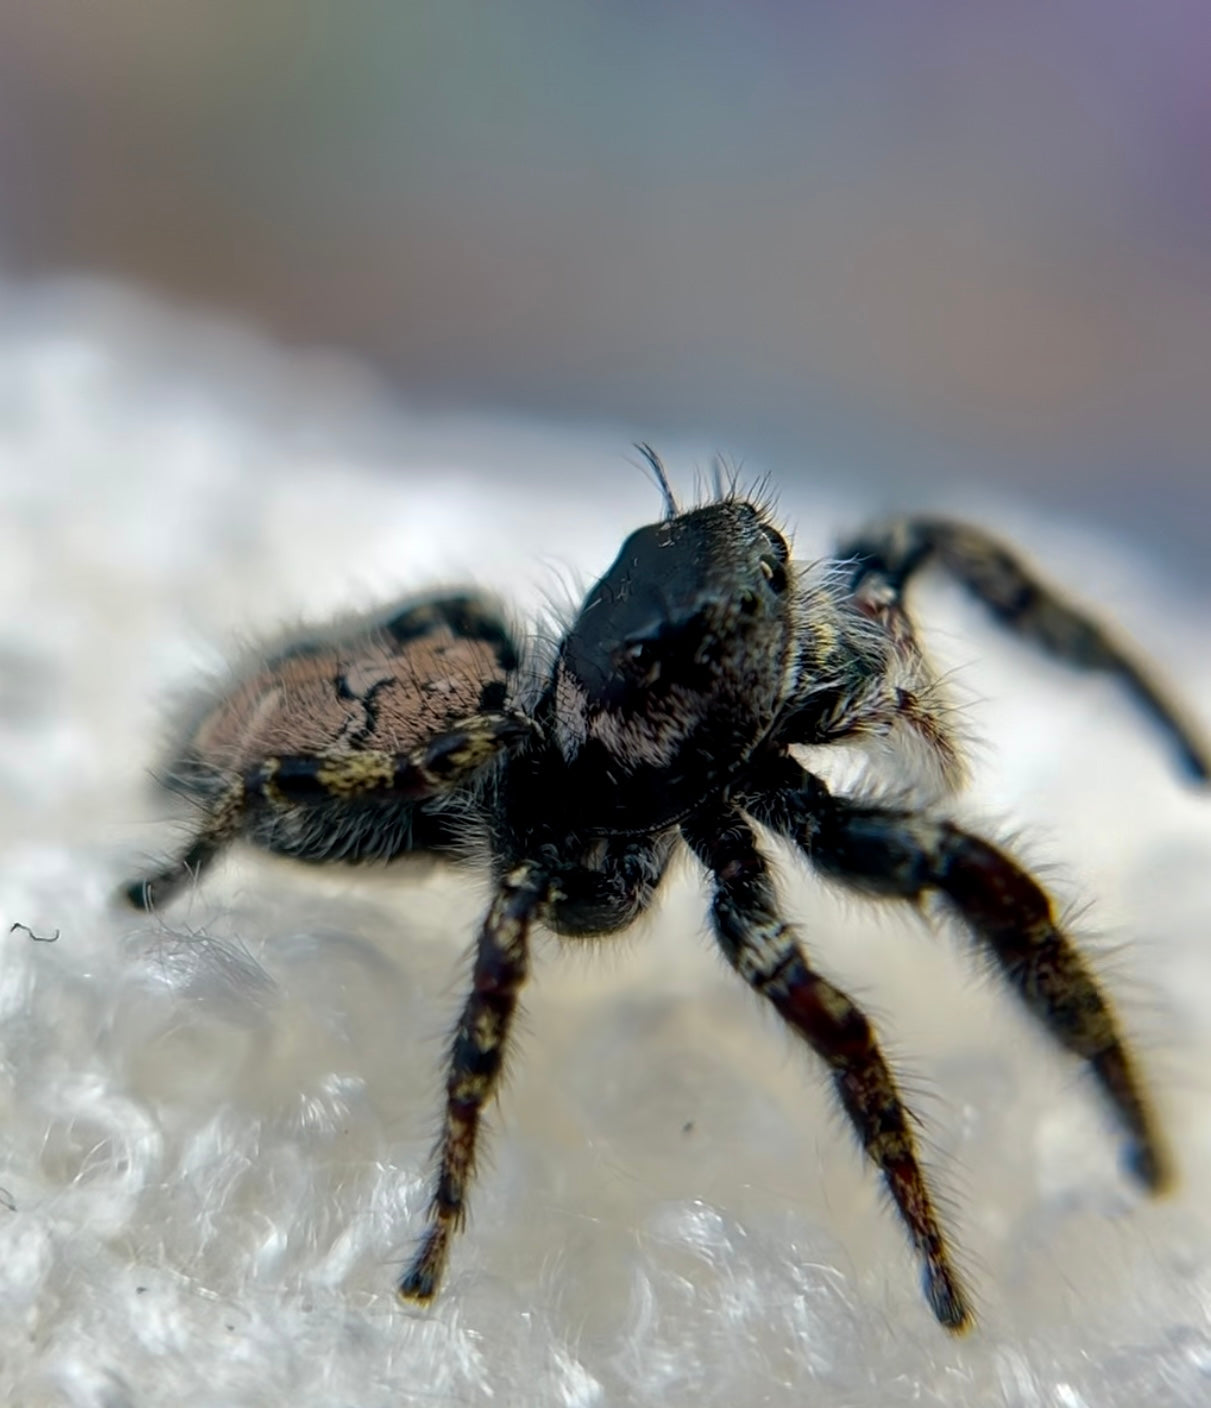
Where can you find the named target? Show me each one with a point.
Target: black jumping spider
(668, 714)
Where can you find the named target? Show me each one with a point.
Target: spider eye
(775, 573)
(779, 547)
(639, 661)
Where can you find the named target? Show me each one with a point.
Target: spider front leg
(765, 952)
(440, 765)
(905, 854)
(476, 1059)
(887, 559)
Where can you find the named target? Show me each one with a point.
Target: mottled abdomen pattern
(307, 730)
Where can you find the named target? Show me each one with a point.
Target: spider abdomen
(383, 686)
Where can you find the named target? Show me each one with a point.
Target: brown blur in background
(922, 246)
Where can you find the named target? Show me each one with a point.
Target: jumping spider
(669, 714)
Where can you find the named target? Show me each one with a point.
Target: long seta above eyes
(666, 717)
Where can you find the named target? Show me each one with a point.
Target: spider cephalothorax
(668, 715)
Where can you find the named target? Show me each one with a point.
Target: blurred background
(893, 254)
(924, 249)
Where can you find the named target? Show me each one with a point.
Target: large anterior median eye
(669, 652)
(638, 661)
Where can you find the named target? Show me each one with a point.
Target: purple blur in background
(929, 248)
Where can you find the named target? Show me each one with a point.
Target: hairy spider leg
(903, 855)
(223, 823)
(874, 705)
(764, 950)
(439, 766)
(476, 1059)
(859, 673)
(888, 557)
(467, 616)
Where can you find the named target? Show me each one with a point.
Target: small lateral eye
(775, 573)
(779, 548)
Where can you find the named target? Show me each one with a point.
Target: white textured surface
(213, 1124)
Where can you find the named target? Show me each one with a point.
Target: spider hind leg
(296, 785)
(223, 823)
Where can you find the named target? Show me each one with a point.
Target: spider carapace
(668, 715)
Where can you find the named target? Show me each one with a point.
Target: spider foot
(420, 1281)
(946, 1298)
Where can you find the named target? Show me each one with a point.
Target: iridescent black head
(675, 666)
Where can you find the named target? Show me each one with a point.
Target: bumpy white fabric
(214, 1121)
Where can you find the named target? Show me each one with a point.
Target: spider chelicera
(668, 715)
